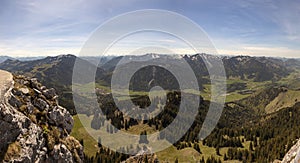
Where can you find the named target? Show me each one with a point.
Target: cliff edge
(34, 128)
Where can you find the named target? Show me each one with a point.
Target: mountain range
(57, 71)
(262, 100)
(54, 72)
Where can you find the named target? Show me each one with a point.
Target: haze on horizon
(46, 28)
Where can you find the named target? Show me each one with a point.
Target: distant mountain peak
(4, 58)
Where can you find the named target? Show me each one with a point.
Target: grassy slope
(283, 100)
(289, 98)
(167, 155)
(90, 145)
(206, 93)
(137, 129)
(189, 154)
(234, 96)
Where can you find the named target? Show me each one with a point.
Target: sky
(235, 27)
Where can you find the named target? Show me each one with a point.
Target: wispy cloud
(167, 40)
(287, 16)
(250, 27)
(282, 14)
(262, 51)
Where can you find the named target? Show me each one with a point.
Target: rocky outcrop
(293, 155)
(34, 128)
(144, 155)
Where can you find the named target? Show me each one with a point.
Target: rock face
(293, 155)
(34, 128)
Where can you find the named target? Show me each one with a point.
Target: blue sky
(246, 27)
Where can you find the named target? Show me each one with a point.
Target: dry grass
(137, 129)
(283, 100)
(13, 151)
(79, 132)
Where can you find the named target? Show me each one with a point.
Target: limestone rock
(41, 104)
(59, 116)
(49, 93)
(13, 101)
(34, 128)
(34, 83)
(293, 155)
(61, 153)
(24, 90)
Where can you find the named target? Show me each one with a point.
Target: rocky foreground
(293, 155)
(34, 128)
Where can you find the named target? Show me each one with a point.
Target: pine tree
(251, 147)
(225, 157)
(176, 160)
(126, 125)
(219, 160)
(218, 151)
(99, 142)
(81, 142)
(197, 147)
(143, 138)
(255, 142)
(202, 160)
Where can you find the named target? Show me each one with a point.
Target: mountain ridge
(57, 71)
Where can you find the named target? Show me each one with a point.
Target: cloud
(36, 46)
(283, 14)
(253, 50)
(31, 25)
(167, 40)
